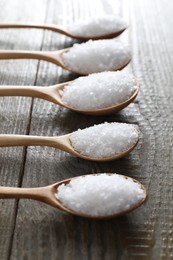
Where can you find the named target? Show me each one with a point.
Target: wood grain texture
(15, 112)
(31, 230)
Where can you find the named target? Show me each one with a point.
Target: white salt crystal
(100, 195)
(97, 56)
(99, 90)
(98, 26)
(104, 140)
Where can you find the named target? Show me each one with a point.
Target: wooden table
(32, 230)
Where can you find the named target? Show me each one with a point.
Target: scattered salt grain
(97, 56)
(101, 195)
(104, 140)
(98, 26)
(99, 90)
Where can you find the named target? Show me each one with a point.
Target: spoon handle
(60, 142)
(22, 140)
(51, 27)
(17, 193)
(29, 91)
(42, 194)
(50, 56)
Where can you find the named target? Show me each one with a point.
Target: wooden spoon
(62, 30)
(47, 195)
(55, 57)
(53, 94)
(61, 142)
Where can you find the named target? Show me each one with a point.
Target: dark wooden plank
(152, 45)
(15, 112)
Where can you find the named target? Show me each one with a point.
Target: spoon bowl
(54, 94)
(47, 195)
(64, 143)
